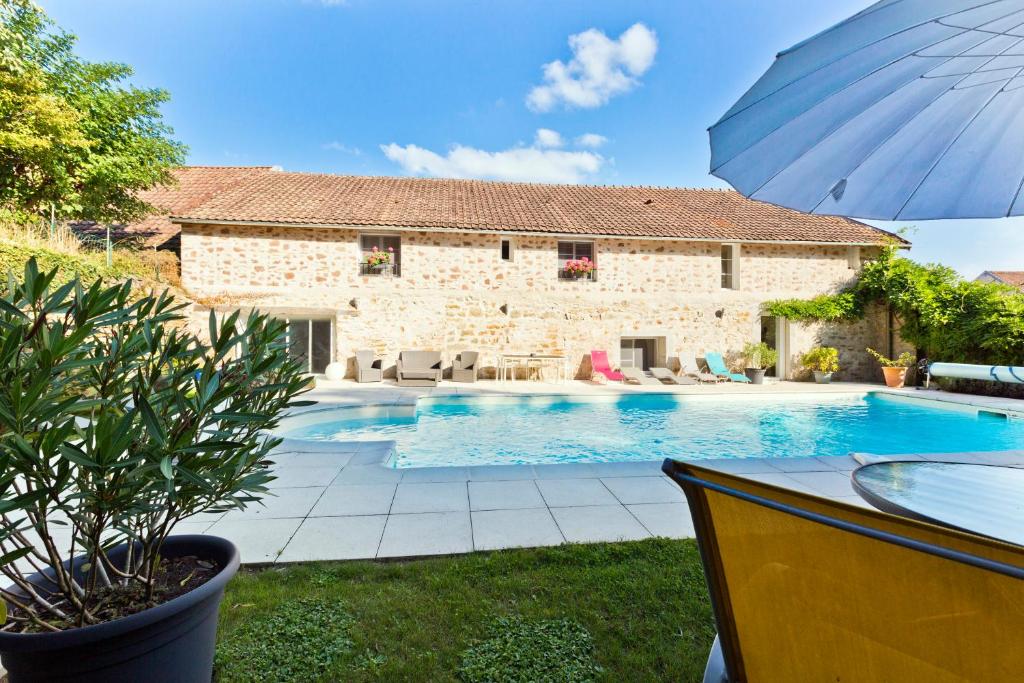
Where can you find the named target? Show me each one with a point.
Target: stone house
(1013, 278)
(483, 266)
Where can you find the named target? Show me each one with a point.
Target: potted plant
(894, 369)
(580, 268)
(116, 423)
(759, 358)
(380, 260)
(822, 361)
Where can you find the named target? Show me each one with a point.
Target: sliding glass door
(310, 340)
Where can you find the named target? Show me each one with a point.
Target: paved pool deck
(339, 500)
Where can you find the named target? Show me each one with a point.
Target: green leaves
(117, 418)
(74, 134)
(308, 637)
(518, 650)
(952, 319)
(841, 307)
(152, 422)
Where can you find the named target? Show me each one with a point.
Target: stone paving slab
(515, 494)
(597, 523)
(432, 533)
(559, 493)
(430, 497)
(668, 520)
(335, 538)
(525, 528)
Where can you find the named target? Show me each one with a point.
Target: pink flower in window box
(376, 257)
(581, 267)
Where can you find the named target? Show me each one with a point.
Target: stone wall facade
(456, 293)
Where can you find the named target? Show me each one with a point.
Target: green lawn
(614, 612)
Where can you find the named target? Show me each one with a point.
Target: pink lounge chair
(599, 361)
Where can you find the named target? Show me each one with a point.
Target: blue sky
(462, 88)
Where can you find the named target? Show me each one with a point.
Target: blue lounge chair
(716, 364)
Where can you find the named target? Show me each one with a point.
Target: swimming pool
(561, 429)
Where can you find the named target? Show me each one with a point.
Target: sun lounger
(599, 362)
(812, 589)
(668, 377)
(637, 376)
(368, 367)
(690, 368)
(716, 364)
(418, 368)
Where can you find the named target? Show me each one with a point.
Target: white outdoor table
(511, 361)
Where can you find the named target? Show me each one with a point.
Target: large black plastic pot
(173, 642)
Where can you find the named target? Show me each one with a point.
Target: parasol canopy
(908, 110)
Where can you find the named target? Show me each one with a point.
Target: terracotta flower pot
(895, 377)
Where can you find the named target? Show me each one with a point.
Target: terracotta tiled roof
(314, 199)
(1009, 277)
(195, 185)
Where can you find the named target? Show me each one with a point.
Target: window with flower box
(576, 261)
(381, 255)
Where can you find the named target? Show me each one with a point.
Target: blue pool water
(553, 429)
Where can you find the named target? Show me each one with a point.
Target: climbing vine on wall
(951, 318)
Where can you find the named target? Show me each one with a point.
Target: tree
(74, 134)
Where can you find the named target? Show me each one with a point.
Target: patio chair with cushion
(689, 367)
(668, 377)
(813, 589)
(637, 376)
(464, 366)
(600, 365)
(716, 364)
(369, 368)
(418, 368)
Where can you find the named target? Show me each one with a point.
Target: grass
(615, 612)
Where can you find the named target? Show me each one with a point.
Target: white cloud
(600, 68)
(591, 140)
(525, 164)
(336, 146)
(548, 138)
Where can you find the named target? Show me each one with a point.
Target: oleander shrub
(116, 423)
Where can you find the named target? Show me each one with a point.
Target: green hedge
(86, 265)
(951, 319)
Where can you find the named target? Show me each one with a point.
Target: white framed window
(392, 244)
(507, 249)
(730, 266)
(575, 251)
(311, 340)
